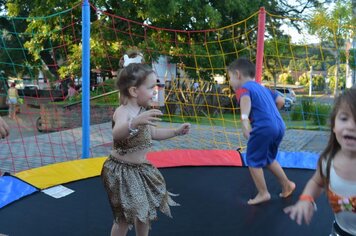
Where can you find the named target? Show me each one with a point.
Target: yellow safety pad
(64, 172)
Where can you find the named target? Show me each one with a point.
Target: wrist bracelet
(131, 130)
(244, 117)
(308, 198)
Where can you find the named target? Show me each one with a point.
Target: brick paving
(27, 148)
(31, 149)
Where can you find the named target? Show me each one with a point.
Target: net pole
(85, 79)
(260, 43)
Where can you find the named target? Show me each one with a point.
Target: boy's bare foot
(259, 199)
(288, 190)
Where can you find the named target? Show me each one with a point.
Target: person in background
(72, 92)
(12, 100)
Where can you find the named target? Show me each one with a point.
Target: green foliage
(112, 99)
(321, 114)
(286, 78)
(309, 110)
(298, 65)
(307, 107)
(50, 28)
(304, 79)
(318, 83)
(103, 88)
(106, 86)
(352, 58)
(98, 95)
(332, 78)
(297, 113)
(304, 110)
(331, 25)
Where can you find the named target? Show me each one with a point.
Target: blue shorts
(12, 100)
(262, 148)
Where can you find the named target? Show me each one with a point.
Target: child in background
(258, 106)
(336, 171)
(12, 100)
(136, 189)
(72, 92)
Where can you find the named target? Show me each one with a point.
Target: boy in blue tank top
(262, 125)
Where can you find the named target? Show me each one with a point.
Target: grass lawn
(233, 121)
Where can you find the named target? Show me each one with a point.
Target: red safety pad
(175, 158)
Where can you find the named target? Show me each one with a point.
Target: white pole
(311, 81)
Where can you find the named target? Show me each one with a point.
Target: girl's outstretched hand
(4, 128)
(301, 210)
(149, 117)
(183, 129)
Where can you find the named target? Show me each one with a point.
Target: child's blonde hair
(132, 75)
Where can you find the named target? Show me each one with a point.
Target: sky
(303, 37)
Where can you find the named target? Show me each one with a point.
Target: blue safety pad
(12, 189)
(301, 160)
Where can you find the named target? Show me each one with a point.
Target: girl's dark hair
(244, 66)
(132, 75)
(347, 99)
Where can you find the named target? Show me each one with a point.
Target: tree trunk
(336, 89)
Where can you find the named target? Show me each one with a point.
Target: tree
(332, 29)
(286, 78)
(188, 15)
(352, 58)
(341, 81)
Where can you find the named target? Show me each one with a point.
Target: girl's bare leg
(141, 228)
(119, 229)
(11, 111)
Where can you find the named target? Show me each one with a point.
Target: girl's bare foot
(259, 199)
(288, 190)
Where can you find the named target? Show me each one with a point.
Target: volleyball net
(42, 55)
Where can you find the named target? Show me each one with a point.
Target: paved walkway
(26, 148)
(29, 149)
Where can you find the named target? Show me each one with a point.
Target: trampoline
(213, 200)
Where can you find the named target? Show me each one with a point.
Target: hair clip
(136, 59)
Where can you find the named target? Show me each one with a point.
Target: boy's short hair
(244, 66)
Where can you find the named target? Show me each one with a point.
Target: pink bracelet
(308, 198)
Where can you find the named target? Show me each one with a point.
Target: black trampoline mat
(213, 202)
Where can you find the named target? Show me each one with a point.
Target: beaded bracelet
(308, 198)
(132, 131)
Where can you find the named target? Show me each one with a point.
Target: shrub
(307, 107)
(297, 113)
(321, 114)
